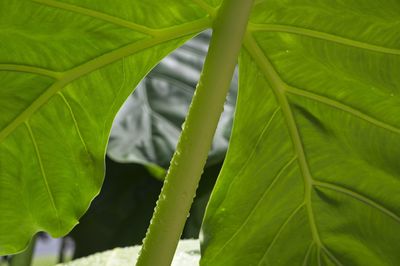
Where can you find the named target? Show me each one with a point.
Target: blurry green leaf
(312, 175)
(147, 128)
(156, 171)
(65, 69)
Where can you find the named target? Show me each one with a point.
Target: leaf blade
(338, 90)
(64, 71)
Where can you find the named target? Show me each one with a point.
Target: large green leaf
(312, 175)
(65, 68)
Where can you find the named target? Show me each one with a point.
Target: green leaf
(312, 175)
(147, 128)
(65, 69)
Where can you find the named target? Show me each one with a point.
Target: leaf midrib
(279, 89)
(70, 75)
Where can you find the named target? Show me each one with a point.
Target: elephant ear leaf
(65, 69)
(312, 174)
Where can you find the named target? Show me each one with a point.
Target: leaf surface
(312, 175)
(65, 69)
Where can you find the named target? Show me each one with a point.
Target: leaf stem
(194, 143)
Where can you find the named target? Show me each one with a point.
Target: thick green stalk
(194, 143)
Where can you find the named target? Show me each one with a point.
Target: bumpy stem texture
(195, 141)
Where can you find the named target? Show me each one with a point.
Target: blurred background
(142, 141)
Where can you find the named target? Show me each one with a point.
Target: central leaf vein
(278, 88)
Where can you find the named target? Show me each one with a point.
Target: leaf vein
(359, 197)
(343, 107)
(319, 257)
(43, 174)
(153, 114)
(280, 230)
(331, 256)
(74, 120)
(30, 69)
(206, 7)
(98, 15)
(99, 62)
(323, 36)
(254, 208)
(307, 254)
(248, 160)
(278, 87)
